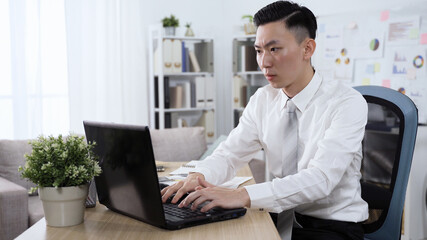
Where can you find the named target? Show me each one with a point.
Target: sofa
(19, 210)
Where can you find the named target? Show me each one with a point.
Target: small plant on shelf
(249, 26)
(189, 32)
(170, 24)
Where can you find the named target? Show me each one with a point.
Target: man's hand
(221, 197)
(182, 187)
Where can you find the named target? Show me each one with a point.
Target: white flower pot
(170, 31)
(64, 206)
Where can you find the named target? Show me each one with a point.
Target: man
(316, 161)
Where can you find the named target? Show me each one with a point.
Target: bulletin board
(386, 48)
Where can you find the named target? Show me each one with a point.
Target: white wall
(221, 20)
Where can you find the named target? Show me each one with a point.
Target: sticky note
(423, 38)
(370, 69)
(386, 83)
(377, 67)
(411, 74)
(413, 33)
(366, 81)
(384, 15)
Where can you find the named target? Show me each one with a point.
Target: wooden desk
(101, 223)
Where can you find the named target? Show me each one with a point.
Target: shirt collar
(302, 99)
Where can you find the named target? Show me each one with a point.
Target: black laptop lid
(128, 183)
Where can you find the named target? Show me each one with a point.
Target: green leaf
(59, 162)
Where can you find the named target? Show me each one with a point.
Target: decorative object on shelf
(170, 24)
(250, 26)
(189, 32)
(61, 168)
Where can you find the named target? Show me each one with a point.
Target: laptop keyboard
(184, 212)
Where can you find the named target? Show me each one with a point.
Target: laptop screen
(128, 183)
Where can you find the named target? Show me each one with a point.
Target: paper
(365, 43)
(408, 62)
(369, 71)
(182, 172)
(233, 183)
(404, 32)
(186, 168)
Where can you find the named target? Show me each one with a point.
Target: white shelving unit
(205, 105)
(246, 75)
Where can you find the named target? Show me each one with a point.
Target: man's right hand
(182, 187)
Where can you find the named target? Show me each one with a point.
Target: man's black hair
(299, 20)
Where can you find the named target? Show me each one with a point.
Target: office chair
(388, 147)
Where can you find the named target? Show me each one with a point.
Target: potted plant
(61, 169)
(249, 26)
(170, 24)
(189, 32)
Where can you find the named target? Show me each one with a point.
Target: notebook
(129, 183)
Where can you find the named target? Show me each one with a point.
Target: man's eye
(258, 51)
(273, 49)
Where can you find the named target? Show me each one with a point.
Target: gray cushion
(13, 209)
(178, 144)
(35, 210)
(11, 157)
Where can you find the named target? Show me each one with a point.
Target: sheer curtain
(65, 61)
(33, 72)
(106, 62)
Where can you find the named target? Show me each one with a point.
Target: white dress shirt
(331, 123)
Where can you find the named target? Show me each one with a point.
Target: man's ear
(309, 48)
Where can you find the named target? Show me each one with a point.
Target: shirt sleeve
(237, 150)
(335, 152)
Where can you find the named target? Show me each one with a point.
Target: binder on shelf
(184, 57)
(176, 56)
(204, 54)
(187, 60)
(176, 96)
(210, 87)
(167, 120)
(207, 120)
(246, 58)
(167, 56)
(194, 62)
(186, 94)
(239, 91)
(242, 58)
(200, 92)
(193, 95)
(250, 59)
(166, 92)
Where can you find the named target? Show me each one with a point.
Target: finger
(171, 190)
(183, 190)
(204, 183)
(164, 190)
(198, 201)
(189, 199)
(208, 206)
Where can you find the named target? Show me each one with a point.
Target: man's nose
(264, 61)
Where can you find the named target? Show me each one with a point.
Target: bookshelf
(247, 77)
(181, 82)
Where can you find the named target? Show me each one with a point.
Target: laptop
(129, 183)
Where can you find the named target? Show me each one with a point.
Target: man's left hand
(218, 197)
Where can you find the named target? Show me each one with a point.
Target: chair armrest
(13, 209)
